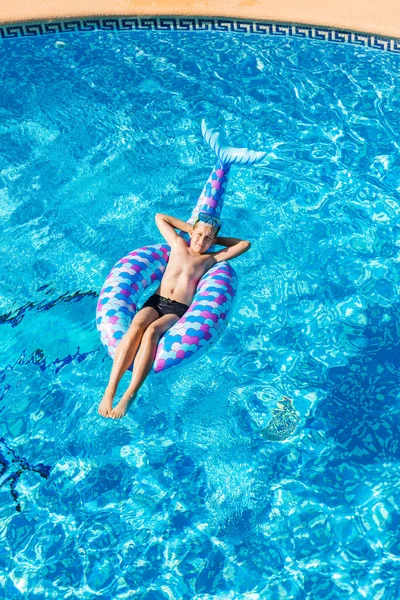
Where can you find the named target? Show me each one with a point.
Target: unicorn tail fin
(228, 155)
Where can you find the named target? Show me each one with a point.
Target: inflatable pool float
(207, 317)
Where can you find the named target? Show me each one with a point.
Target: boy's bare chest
(185, 263)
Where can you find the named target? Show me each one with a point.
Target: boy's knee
(133, 328)
(152, 333)
(137, 326)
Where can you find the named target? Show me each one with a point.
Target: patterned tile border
(185, 24)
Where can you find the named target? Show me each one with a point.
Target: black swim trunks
(166, 306)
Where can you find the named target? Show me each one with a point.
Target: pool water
(184, 498)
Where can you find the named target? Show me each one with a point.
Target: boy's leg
(143, 361)
(125, 353)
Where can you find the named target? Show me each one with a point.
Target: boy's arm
(167, 226)
(234, 247)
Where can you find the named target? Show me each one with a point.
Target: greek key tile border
(185, 24)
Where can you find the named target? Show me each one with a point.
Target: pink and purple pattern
(203, 323)
(206, 319)
(199, 327)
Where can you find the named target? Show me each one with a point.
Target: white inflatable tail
(228, 155)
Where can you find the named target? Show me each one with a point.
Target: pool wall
(12, 31)
(367, 16)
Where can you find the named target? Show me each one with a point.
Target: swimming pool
(184, 498)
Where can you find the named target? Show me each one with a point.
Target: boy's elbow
(246, 245)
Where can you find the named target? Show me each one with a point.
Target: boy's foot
(105, 406)
(121, 409)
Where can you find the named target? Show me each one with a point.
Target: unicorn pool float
(207, 317)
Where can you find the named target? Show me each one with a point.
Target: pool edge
(362, 16)
(172, 23)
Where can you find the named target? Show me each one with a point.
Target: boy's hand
(167, 226)
(234, 247)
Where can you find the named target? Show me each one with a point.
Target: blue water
(184, 498)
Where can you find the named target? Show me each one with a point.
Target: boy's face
(202, 237)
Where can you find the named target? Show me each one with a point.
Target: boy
(185, 268)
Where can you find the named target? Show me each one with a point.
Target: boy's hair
(204, 217)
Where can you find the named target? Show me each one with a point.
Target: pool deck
(367, 16)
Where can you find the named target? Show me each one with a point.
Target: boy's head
(204, 231)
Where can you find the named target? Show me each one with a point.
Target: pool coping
(364, 16)
(12, 31)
